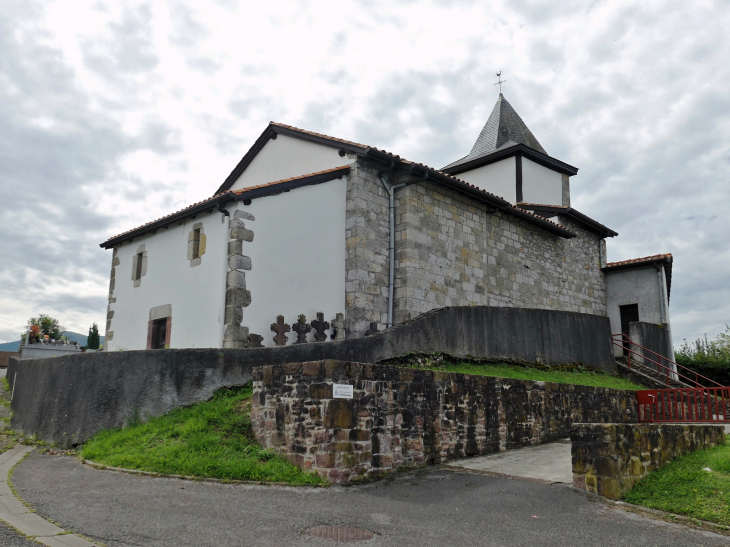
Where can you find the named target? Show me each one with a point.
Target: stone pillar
(109, 334)
(237, 296)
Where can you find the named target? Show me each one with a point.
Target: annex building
(315, 238)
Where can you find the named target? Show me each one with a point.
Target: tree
(49, 326)
(93, 341)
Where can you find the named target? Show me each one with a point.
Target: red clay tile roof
(195, 207)
(667, 257)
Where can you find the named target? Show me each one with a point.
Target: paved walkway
(435, 506)
(14, 513)
(549, 463)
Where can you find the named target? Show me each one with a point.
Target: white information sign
(342, 391)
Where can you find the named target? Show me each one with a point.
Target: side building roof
(667, 259)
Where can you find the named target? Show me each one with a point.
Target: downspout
(664, 313)
(390, 188)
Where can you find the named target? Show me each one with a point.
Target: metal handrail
(667, 370)
(707, 404)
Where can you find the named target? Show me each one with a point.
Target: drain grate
(341, 534)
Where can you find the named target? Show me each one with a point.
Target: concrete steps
(648, 377)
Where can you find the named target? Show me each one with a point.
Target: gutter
(390, 189)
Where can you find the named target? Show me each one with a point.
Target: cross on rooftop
(500, 81)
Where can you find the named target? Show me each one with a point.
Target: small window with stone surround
(139, 266)
(196, 244)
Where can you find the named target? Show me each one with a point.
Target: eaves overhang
(525, 151)
(585, 220)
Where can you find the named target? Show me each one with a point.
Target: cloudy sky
(115, 113)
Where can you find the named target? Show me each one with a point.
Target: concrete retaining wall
(68, 399)
(407, 417)
(608, 459)
(654, 338)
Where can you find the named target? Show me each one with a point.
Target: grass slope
(683, 487)
(578, 377)
(211, 439)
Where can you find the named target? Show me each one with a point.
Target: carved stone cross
(301, 328)
(254, 341)
(280, 328)
(373, 329)
(320, 326)
(338, 326)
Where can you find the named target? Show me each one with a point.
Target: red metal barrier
(690, 376)
(705, 404)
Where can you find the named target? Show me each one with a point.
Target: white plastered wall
(540, 184)
(286, 157)
(195, 293)
(642, 285)
(297, 257)
(499, 178)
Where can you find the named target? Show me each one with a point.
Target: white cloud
(115, 113)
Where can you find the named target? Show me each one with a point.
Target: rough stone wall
(366, 233)
(237, 296)
(450, 251)
(407, 417)
(108, 333)
(609, 459)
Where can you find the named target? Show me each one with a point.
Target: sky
(116, 113)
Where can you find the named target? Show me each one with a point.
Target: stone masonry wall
(609, 459)
(366, 236)
(450, 251)
(407, 417)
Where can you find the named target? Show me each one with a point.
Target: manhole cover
(341, 534)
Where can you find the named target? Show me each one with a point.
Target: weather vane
(500, 81)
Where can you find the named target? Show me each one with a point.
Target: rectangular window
(138, 271)
(196, 243)
(159, 333)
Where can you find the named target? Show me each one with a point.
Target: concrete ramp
(549, 463)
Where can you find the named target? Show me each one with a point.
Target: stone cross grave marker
(280, 328)
(301, 328)
(320, 326)
(338, 326)
(254, 341)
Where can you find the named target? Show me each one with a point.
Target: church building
(328, 239)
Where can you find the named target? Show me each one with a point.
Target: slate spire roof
(503, 129)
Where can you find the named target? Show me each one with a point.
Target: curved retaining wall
(68, 399)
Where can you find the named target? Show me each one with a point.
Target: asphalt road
(10, 538)
(429, 507)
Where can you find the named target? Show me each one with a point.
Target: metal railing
(625, 343)
(704, 404)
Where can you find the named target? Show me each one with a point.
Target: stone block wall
(366, 239)
(451, 251)
(609, 459)
(408, 417)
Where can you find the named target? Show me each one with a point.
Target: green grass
(211, 439)
(577, 377)
(683, 487)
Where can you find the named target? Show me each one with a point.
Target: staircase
(648, 368)
(647, 376)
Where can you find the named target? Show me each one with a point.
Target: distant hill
(80, 338)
